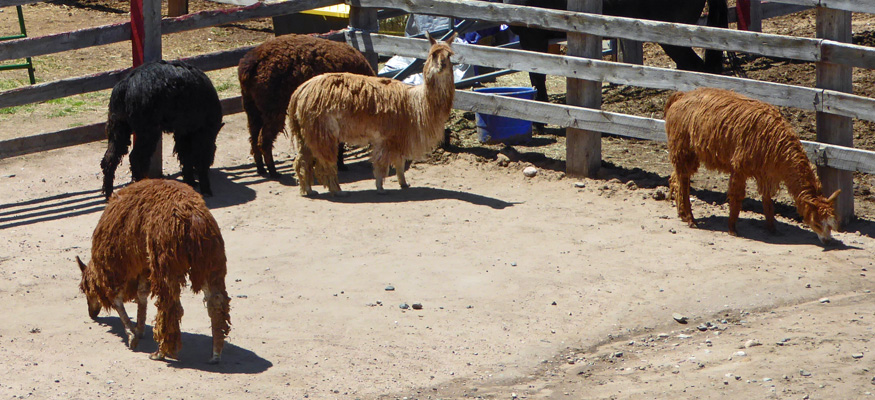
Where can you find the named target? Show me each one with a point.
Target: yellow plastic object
(336, 11)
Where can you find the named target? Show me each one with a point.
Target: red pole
(138, 33)
(742, 10)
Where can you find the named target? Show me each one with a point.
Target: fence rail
(863, 6)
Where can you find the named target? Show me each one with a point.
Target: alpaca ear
(81, 265)
(452, 38)
(430, 39)
(832, 198)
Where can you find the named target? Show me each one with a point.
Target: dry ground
(531, 287)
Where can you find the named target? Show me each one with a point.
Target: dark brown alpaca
(746, 138)
(152, 235)
(270, 73)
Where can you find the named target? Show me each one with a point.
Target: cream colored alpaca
(399, 121)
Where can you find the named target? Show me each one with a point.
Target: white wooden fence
(830, 99)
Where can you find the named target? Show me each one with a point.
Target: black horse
(677, 11)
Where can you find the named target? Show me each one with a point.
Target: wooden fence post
(833, 129)
(365, 19)
(583, 149)
(146, 42)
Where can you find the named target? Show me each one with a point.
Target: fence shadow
(196, 350)
(50, 208)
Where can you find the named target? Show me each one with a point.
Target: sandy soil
(544, 287)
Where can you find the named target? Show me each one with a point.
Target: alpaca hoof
(382, 192)
(405, 186)
(157, 356)
(733, 233)
(215, 360)
(274, 175)
(133, 341)
(340, 193)
(261, 171)
(308, 193)
(693, 224)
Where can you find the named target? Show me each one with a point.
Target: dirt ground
(541, 288)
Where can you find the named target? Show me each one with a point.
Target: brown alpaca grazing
(746, 138)
(270, 73)
(152, 235)
(400, 121)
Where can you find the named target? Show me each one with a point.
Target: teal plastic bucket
(493, 129)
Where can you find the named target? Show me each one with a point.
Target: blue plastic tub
(493, 129)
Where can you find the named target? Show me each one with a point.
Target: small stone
(824, 300)
(632, 185)
(403, 306)
(390, 288)
(804, 372)
(618, 354)
(682, 336)
(857, 355)
(679, 318)
(579, 185)
(702, 327)
(530, 172)
(752, 343)
(663, 335)
(659, 195)
(739, 354)
(767, 379)
(503, 160)
(417, 306)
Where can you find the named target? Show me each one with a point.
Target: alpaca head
(819, 215)
(88, 286)
(438, 61)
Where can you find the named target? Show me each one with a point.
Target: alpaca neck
(437, 93)
(799, 178)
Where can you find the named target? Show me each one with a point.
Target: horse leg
(685, 58)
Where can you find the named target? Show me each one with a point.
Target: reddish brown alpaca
(399, 120)
(152, 234)
(746, 138)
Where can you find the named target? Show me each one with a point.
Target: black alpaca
(163, 96)
(678, 11)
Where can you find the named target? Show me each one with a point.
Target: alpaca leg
(256, 124)
(119, 139)
(681, 187)
(166, 329)
(119, 305)
(326, 171)
(381, 169)
(269, 132)
(143, 289)
(216, 299)
(736, 196)
(769, 212)
(141, 155)
(399, 172)
(304, 171)
(203, 158)
(184, 149)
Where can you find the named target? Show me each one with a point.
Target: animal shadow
(195, 352)
(416, 194)
(755, 229)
